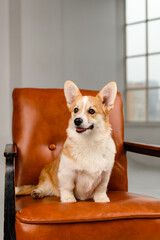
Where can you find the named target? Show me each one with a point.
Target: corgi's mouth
(81, 130)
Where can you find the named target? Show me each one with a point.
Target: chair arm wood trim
(9, 203)
(10, 150)
(141, 148)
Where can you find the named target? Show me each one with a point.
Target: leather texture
(40, 119)
(128, 216)
(133, 229)
(123, 205)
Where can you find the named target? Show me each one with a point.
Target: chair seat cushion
(50, 210)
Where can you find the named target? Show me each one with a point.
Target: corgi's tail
(24, 190)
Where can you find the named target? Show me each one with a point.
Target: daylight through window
(142, 60)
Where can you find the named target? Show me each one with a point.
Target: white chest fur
(85, 170)
(85, 183)
(94, 158)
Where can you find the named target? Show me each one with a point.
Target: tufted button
(52, 147)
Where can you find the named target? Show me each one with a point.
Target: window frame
(146, 55)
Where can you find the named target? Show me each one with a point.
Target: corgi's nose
(78, 121)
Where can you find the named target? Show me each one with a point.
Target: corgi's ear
(108, 95)
(71, 91)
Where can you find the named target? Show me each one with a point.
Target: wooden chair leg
(9, 203)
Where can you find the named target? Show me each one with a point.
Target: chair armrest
(9, 202)
(10, 150)
(142, 148)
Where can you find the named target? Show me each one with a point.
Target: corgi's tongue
(80, 130)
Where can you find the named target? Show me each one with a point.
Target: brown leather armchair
(40, 119)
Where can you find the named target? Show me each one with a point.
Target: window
(142, 60)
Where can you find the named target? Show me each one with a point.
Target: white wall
(68, 39)
(42, 43)
(45, 42)
(89, 42)
(5, 115)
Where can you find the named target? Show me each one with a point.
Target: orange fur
(67, 149)
(25, 190)
(49, 173)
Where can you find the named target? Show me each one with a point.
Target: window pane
(136, 72)
(136, 105)
(153, 9)
(154, 36)
(136, 43)
(154, 70)
(154, 105)
(135, 10)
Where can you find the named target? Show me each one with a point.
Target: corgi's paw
(101, 197)
(67, 197)
(37, 193)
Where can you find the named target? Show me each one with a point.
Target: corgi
(83, 169)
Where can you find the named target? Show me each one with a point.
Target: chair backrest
(40, 119)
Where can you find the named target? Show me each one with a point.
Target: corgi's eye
(76, 110)
(91, 111)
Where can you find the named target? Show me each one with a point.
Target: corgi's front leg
(100, 194)
(66, 195)
(66, 186)
(66, 178)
